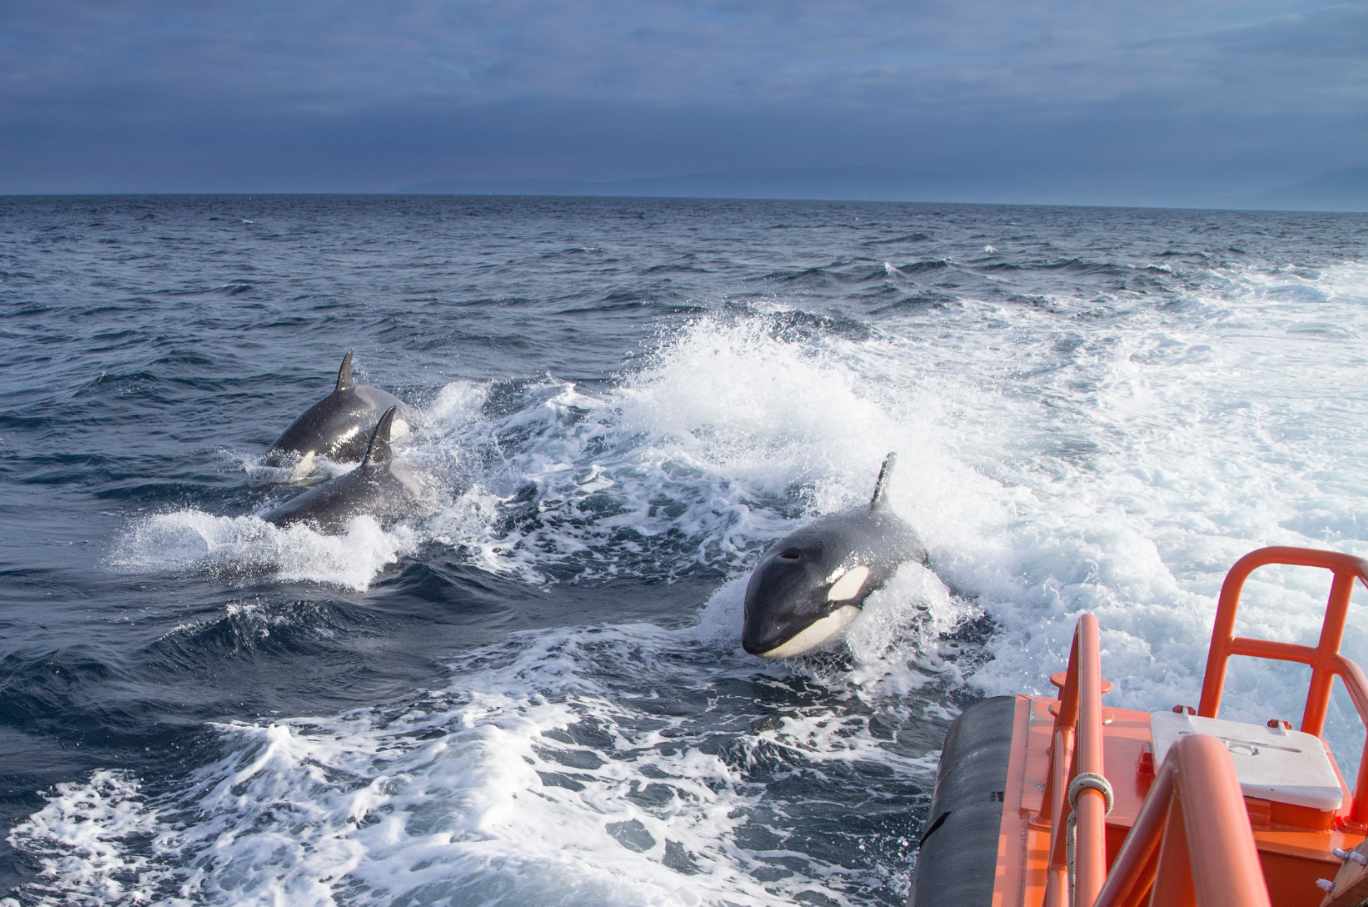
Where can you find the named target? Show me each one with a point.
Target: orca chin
(820, 633)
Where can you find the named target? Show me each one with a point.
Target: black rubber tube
(957, 857)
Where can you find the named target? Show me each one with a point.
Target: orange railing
(1194, 814)
(1324, 659)
(1079, 720)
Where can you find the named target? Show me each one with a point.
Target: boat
(1060, 801)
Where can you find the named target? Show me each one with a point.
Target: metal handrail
(1194, 814)
(1079, 721)
(1324, 659)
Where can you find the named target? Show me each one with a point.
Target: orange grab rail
(1324, 659)
(1194, 814)
(1079, 721)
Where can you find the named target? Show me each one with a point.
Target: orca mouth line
(814, 635)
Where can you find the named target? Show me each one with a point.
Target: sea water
(532, 691)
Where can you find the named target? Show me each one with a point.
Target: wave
(1080, 430)
(685, 465)
(558, 763)
(234, 549)
(246, 627)
(920, 267)
(1052, 470)
(903, 239)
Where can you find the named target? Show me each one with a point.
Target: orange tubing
(1078, 745)
(1325, 660)
(1194, 815)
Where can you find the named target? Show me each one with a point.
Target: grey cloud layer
(841, 84)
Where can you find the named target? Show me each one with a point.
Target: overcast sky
(1152, 102)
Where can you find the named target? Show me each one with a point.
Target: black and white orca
(809, 585)
(338, 426)
(379, 487)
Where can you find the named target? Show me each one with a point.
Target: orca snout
(787, 611)
(782, 629)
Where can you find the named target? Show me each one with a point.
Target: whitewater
(533, 689)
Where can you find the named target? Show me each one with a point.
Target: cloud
(331, 95)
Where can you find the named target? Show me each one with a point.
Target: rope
(1081, 782)
(1090, 781)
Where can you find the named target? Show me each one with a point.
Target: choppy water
(534, 692)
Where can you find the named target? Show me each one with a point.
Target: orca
(378, 487)
(810, 584)
(336, 426)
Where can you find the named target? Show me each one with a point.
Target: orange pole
(1061, 769)
(1058, 782)
(1196, 799)
(1219, 836)
(1062, 739)
(1346, 568)
(1132, 874)
(1357, 686)
(1332, 633)
(1223, 632)
(1271, 649)
(1077, 747)
(1324, 660)
(1173, 876)
(1090, 848)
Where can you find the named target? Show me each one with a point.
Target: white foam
(1151, 451)
(248, 546)
(698, 449)
(1054, 464)
(1118, 464)
(550, 771)
(90, 843)
(688, 463)
(428, 463)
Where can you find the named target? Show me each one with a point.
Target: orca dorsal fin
(378, 450)
(881, 484)
(344, 378)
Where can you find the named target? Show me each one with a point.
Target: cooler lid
(1272, 763)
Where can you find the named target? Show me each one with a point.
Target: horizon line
(696, 198)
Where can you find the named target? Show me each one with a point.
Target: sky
(1096, 102)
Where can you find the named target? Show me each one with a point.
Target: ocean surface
(532, 690)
